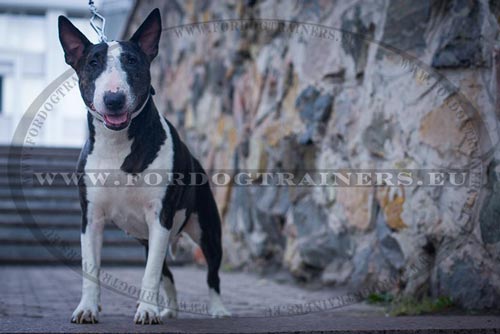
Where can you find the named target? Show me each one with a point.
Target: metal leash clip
(97, 22)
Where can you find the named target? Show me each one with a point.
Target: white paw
(169, 313)
(215, 306)
(147, 314)
(219, 311)
(86, 313)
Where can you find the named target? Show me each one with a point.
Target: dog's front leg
(148, 310)
(91, 242)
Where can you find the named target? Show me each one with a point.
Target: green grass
(227, 268)
(411, 306)
(379, 298)
(397, 306)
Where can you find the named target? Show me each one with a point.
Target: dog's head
(114, 77)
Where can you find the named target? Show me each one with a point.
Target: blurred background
(396, 85)
(31, 58)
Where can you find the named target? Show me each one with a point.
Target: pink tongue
(116, 120)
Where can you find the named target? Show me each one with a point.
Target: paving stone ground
(41, 299)
(44, 291)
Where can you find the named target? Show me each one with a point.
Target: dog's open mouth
(117, 122)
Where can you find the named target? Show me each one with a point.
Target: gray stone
(406, 24)
(308, 217)
(356, 38)
(319, 99)
(337, 272)
(389, 246)
(306, 138)
(466, 286)
(271, 240)
(318, 249)
(322, 108)
(305, 103)
(392, 252)
(216, 76)
(198, 87)
(273, 200)
(317, 244)
(460, 45)
(380, 258)
(239, 217)
(376, 134)
(314, 110)
(258, 230)
(489, 218)
(361, 263)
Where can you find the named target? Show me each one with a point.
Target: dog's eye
(93, 63)
(132, 60)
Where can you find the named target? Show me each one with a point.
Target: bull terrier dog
(127, 135)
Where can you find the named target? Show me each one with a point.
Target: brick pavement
(46, 291)
(41, 299)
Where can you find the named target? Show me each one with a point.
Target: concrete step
(34, 216)
(61, 152)
(43, 206)
(53, 224)
(28, 169)
(42, 220)
(32, 182)
(21, 235)
(39, 193)
(71, 253)
(37, 164)
(39, 202)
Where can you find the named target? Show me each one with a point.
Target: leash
(97, 22)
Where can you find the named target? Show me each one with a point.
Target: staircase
(42, 224)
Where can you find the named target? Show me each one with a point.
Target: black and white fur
(128, 135)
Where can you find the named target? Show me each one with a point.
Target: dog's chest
(122, 200)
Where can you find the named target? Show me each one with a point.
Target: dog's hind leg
(171, 308)
(211, 245)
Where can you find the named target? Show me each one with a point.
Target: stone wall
(350, 85)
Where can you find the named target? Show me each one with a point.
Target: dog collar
(138, 111)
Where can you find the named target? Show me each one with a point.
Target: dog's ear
(148, 34)
(72, 40)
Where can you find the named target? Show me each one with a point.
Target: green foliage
(379, 298)
(411, 306)
(397, 306)
(227, 268)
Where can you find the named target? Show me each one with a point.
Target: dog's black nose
(114, 101)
